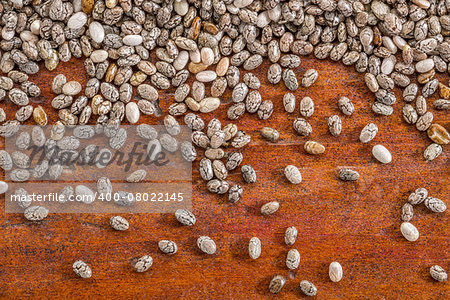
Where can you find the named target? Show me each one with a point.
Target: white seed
(71, 88)
(335, 271)
(132, 112)
(382, 154)
(425, 65)
(3, 187)
(181, 7)
(132, 40)
(97, 32)
(181, 61)
(207, 56)
(409, 231)
(76, 21)
(194, 56)
(206, 76)
(99, 56)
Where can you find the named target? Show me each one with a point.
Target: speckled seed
(36, 213)
(438, 273)
(432, 152)
(293, 259)
(290, 236)
(254, 248)
(302, 127)
(438, 134)
(293, 174)
(308, 288)
(335, 271)
(409, 231)
(381, 154)
(137, 176)
(335, 125)
(347, 174)
(289, 102)
(306, 107)
(418, 196)
(119, 223)
(346, 106)
(314, 148)
(409, 114)
(424, 122)
(276, 284)
(82, 269)
(407, 212)
(435, 204)
(309, 77)
(270, 208)
(248, 174)
(206, 244)
(368, 133)
(143, 263)
(185, 217)
(290, 80)
(270, 134)
(167, 247)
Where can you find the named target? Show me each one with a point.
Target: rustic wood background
(356, 224)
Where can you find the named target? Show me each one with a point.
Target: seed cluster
(408, 230)
(393, 43)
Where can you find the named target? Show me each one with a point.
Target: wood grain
(356, 224)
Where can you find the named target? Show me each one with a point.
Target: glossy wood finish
(354, 223)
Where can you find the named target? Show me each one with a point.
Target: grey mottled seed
(335, 125)
(119, 223)
(368, 133)
(293, 259)
(36, 213)
(302, 127)
(435, 204)
(290, 236)
(82, 269)
(290, 80)
(409, 114)
(270, 208)
(254, 248)
(167, 247)
(438, 273)
(206, 244)
(306, 107)
(289, 102)
(308, 288)
(185, 217)
(248, 174)
(407, 212)
(235, 193)
(347, 174)
(309, 77)
(276, 284)
(346, 106)
(143, 263)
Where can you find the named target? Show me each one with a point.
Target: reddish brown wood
(356, 224)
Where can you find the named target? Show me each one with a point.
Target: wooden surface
(356, 224)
